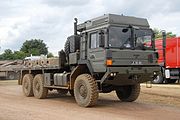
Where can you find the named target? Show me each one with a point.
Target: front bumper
(130, 75)
(134, 70)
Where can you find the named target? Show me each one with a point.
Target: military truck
(105, 54)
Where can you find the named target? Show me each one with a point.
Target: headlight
(155, 73)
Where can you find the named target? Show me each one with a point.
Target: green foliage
(158, 34)
(9, 55)
(19, 55)
(50, 55)
(34, 47)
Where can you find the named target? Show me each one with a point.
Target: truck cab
(114, 47)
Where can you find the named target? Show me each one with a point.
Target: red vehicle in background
(169, 60)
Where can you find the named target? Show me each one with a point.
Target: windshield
(143, 36)
(120, 37)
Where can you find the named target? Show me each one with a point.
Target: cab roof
(113, 19)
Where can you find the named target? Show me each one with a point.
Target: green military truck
(105, 54)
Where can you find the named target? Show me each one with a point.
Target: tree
(19, 55)
(158, 34)
(50, 55)
(34, 47)
(8, 54)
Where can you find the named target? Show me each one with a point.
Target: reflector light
(108, 62)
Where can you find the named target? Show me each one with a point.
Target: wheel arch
(78, 70)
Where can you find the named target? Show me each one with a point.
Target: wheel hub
(26, 85)
(83, 91)
(37, 87)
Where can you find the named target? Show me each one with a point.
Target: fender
(83, 67)
(88, 64)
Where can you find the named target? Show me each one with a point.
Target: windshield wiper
(131, 39)
(122, 46)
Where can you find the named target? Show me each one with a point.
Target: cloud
(168, 22)
(65, 3)
(141, 7)
(52, 20)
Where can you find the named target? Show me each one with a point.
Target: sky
(52, 20)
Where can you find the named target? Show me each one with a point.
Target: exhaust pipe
(75, 26)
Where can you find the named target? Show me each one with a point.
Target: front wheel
(85, 90)
(128, 93)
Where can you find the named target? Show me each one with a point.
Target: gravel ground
(162, 102)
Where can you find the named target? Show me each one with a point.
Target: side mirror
(101, 38)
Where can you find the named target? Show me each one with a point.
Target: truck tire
(62, 91)
(128, 93)
(27, 85)
(85, 90)
(39, 90)
(67, 47)
(11, 76)
(158, 80)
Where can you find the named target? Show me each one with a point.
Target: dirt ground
(162, 102)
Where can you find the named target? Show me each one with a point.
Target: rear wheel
(128, 93)
(38, 87)
(27, 85)
(85, 90)
(11, 75)
(158, 80)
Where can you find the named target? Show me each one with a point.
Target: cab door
(96, 54)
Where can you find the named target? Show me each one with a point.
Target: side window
(94, 41)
